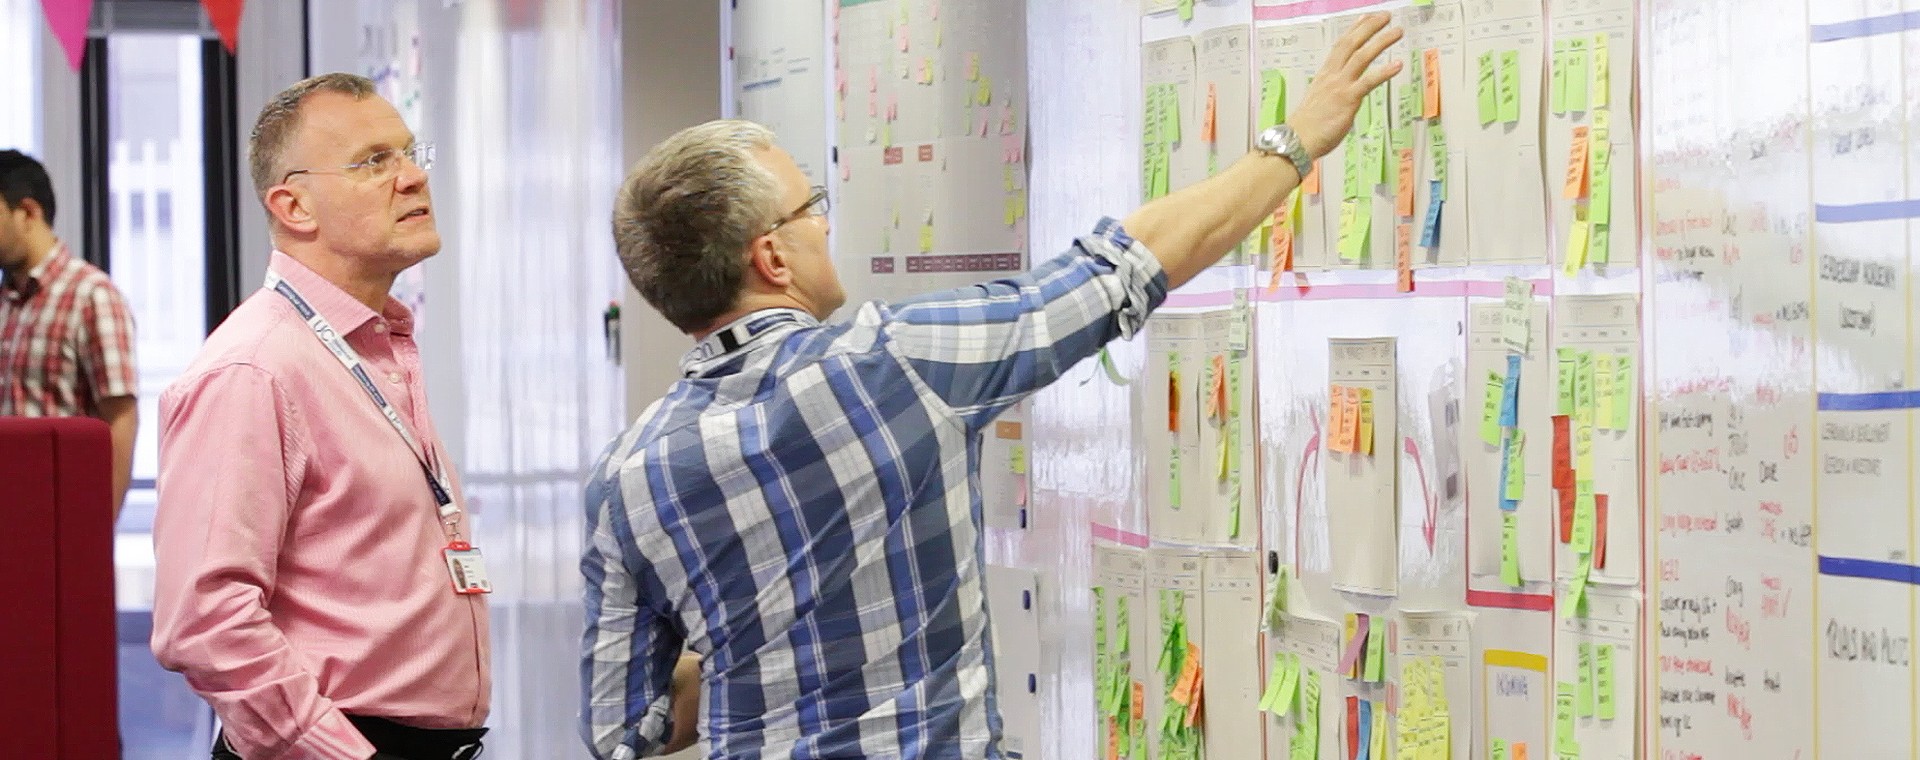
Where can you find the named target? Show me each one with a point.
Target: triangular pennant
(68, 20)
(225, 15)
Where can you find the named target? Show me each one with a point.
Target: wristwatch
(1281, 140)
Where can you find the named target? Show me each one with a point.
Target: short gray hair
(280, 118)
(685, 215)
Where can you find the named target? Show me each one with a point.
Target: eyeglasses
(817, 205)
(381, 165)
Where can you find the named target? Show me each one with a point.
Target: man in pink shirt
(313, 580)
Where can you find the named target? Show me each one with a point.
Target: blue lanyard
(448, 511)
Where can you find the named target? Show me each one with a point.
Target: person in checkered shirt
(66, 338)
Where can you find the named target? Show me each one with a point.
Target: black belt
(400, 742)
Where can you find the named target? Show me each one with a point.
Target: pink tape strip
(1118, 536)
(1312, 8)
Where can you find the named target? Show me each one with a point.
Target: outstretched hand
(1326, 114)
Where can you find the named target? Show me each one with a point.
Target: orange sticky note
(1576, 185)
(1403, 197)
(1189, 675)
(1518, 751)
(1431, 63)
(1139, 701)
(1353, 419)
(1208, 132)
(1113, 738)
(1339, 435)
(1220, 387)
(1403, 255)
(1173, 401)
(1312, 183)
(1199, 696)
(1599, 531)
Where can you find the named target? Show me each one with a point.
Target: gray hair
(280, 118)
(685, 215)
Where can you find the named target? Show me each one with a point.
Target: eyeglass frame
(421, 154)
(818, 197)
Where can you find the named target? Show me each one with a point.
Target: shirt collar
(346, 313)
(741, 334)
(48, 268)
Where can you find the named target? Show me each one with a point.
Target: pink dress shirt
(299, 573)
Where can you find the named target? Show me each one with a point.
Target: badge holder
(468, 570)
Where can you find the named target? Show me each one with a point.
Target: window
(20, 25)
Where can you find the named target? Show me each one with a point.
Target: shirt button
(380, 327)
(394, 377)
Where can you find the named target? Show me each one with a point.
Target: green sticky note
(1373, 162)
(1577, 77)
(1273, 97)
(1583, 388)
(1377, 100)
(1566, 369)
(1124, 628)
(1576, 598)
(1510, 86)
(1376, 670)
(1412, 95)
(1310, 712)
(1356, 222)
(1583, 697)
(1559, 94)
(1510, 549)
(1603, 681)
(1438, 155)
(1489, 102)
(1583, 523)
(1599, 187)
(1170, 113)
(1420, 4)
(1490, 413)
(1274, 673)
(1516, 485)
(1599, 244)
(1499, 751)
(1623, 397)
(1563, 708)
(1602, 53)
(1186, 10)
(1603, 391)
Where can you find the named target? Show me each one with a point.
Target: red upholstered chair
(57, 645)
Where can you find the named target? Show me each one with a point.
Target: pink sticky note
(846, 171)
(903, 38)
(1023, 479)
(873, 106)
(1354, 646)
(873, 79)
(936, 9)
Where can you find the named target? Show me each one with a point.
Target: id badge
(468, 570)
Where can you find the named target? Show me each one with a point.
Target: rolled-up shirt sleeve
(230, 458)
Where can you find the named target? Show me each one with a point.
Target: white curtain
(20, 30)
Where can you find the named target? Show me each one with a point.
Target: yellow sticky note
(1365, 444)
(1603, 391)
(1379, 743)
(1622, 391)
(1603, 681)
(1576, 247)
(926, 238)
(983, 92)
(973, 67)
(1017, 459)
(1602, 70)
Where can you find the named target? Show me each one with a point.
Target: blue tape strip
(1893, 23)
(1867, 212)
(1869, 569)
(1867, 402)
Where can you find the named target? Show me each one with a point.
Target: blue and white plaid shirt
(803, 511)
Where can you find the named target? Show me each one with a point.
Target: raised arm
(1192, 228)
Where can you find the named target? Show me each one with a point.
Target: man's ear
(769, 261)
(35, 212)
(290, 209)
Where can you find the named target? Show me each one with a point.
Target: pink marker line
(1118, 536)
(1311, 8)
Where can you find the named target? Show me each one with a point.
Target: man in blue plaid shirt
(800, 510)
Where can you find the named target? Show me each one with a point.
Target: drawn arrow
(1300, 481)
(1432, 524)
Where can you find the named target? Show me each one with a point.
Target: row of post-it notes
(1501, 750)
(1350, 419)
(1364, 657)
(1425, 719)
(1605, 403)
(1283, 683)
(1582, 73)
(1500, 87)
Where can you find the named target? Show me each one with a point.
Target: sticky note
(1499, 751)
(1430, 84)
(1518, 751)
(1403, 195)
(1583, 389)
(1562, 452)
(1602, 70)
(1510, 549)
(1509, 104)
(1563, 718)
(1516, 485)
(1489, 100)
(1576, 597)
(1275, 675)
(1356, 222)
(1430, 229)
(1623, 398)
(1603, 681)
(1583, 693)
(1603, 391)
(1411, 96)
(1583, 523)
(1516, 317)
(1273, 97)
(1506, 474)
(1574, 186)
(1376, 670)
(1403, 257)
(1576, 247)
(1357, 626)
(1600, 179)
(1582, 451)
(983, 91)
(1208, 128)
(1577, 74)
(1438, 157)
(1600, 530)
(1567, 369)
(1354, 742)
(1365, 443)
(1558, 94)
(1510, 393)
(1170, 112)
(1186, 10)
(1490, 413)
(1378, 743)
